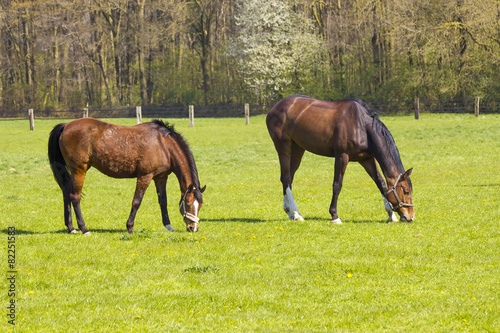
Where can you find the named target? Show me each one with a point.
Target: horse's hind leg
(140, 189)
(290, 156)
(75, 196)
(67, 209)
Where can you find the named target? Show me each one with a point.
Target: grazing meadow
(249, 268)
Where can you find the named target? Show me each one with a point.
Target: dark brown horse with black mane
(347, 131)
(149, 151)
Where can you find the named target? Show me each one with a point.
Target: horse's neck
(387, 164)
(181, 167)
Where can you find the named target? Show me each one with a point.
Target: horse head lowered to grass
(347, 131)
(149, 151)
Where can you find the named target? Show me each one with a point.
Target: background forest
(65, 54)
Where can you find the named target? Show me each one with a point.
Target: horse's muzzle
(192, 228)
(405, 219)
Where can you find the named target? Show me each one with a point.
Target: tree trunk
(143, 84)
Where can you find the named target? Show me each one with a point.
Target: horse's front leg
(140, 189)
(340, 166)
(371, 168)
(161, 190)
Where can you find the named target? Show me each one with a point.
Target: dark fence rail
(405, 107)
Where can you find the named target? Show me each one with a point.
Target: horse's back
(321, 127)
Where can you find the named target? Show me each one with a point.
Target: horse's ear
(407, 173)
(203, 189)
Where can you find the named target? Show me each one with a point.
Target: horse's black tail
(57, 163)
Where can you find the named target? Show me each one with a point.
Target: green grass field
(249, 269)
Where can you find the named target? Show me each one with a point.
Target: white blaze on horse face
(390, 212)
(290, 206)
(196, 204)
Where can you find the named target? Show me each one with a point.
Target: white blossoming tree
(275, 47)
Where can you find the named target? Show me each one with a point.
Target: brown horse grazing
(347, 131)
(149, 151)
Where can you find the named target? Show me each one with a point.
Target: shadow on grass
(482, 185)
(236, 220)
(281, 220)
(62, 231)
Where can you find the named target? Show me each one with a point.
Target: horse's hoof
(336, 221)
(295, 216)
(169, 227)
(73, 232)
(392, 218)
(87, 233)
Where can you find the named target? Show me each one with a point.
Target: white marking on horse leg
(73, 231)
(290, 206)
(169, 227)
(87, 233)
(390, 212)
(336, 221)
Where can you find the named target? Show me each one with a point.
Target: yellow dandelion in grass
(349, 275)
(31, 292)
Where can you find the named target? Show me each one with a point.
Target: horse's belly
(331, 142)
(314, 141)
(115, 168)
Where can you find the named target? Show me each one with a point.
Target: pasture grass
(249, 268)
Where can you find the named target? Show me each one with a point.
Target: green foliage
(249, 268)
(61, 56)
(275, 47)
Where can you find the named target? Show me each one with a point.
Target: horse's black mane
(165, 126)
(379, 127)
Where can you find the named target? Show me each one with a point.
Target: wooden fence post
(31, 115)
(191, 115)
(476, 106)
(85, 113)
(138, 113)
(247, 114)
(417, 108)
